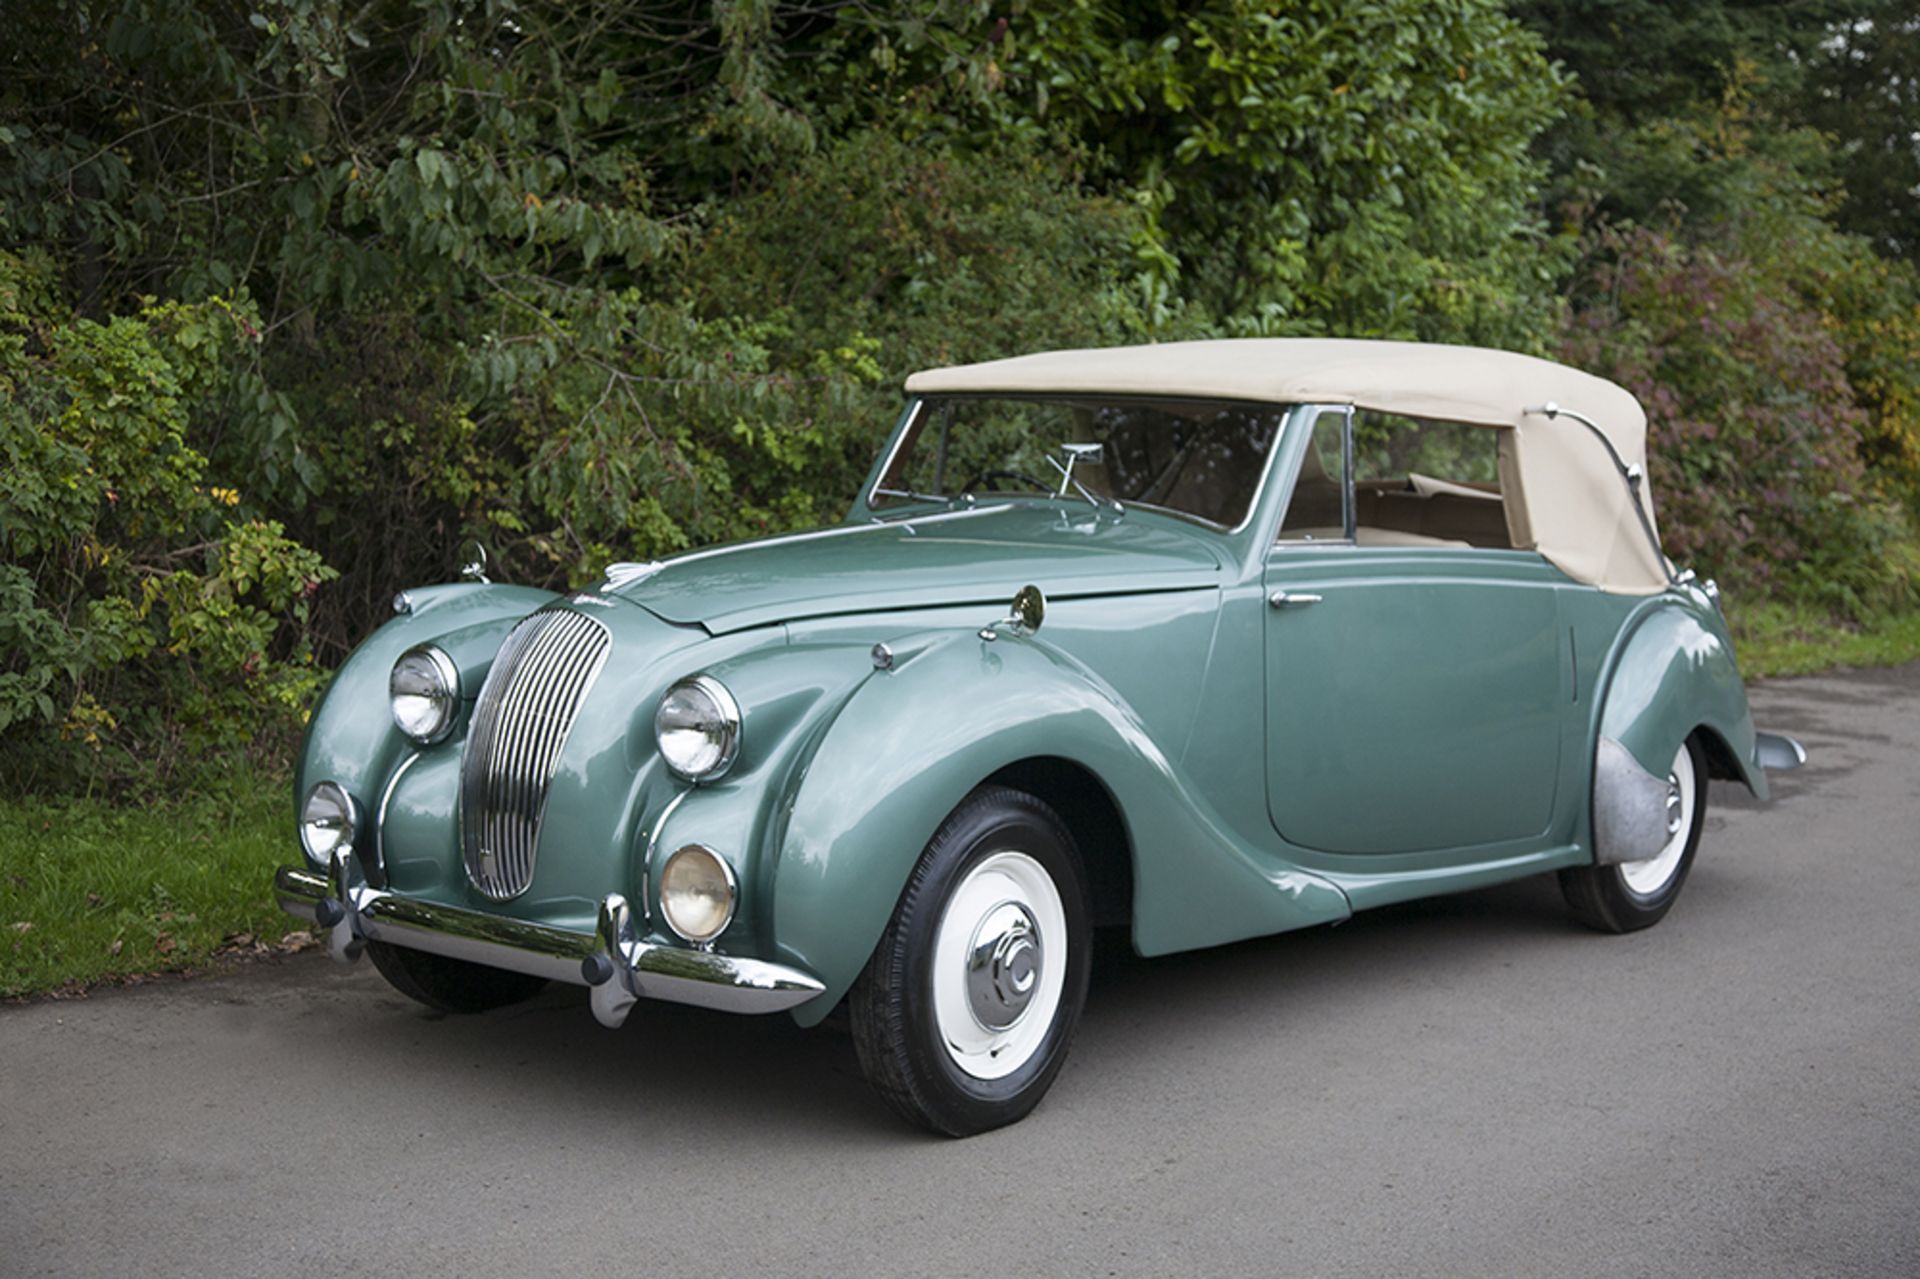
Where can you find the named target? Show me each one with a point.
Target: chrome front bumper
(612, 960)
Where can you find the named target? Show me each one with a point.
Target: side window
(1419, 482)
(1393, 449)
(1317, 511)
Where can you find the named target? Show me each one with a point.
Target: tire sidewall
(996, 822)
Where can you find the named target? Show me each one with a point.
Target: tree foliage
(1725, 276)
(145, 611)
(1863, 91)
(298, 288)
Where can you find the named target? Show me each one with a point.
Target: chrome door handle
(1291, 599)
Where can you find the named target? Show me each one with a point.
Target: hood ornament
(626, 573)
(1028, 610)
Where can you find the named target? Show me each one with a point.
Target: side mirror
(1028, 610)
(473, 561)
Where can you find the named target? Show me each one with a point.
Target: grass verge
(1785, 639)
(92, 892)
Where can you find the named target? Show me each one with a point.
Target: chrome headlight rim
(728, 712)
(728, 878)
(446, 697)
(347, 811)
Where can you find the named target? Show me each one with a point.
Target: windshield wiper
(912, 496)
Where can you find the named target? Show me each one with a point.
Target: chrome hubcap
(999, 964)
(1003, 966)
(1673, 804)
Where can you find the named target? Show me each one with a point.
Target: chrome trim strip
(380, 814)
(909, 420)
(646, 970)
(1349, 497)
(653, 846)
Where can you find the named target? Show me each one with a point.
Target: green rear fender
(1674, 673)
(912, 741)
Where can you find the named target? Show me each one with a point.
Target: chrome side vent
(520, 724)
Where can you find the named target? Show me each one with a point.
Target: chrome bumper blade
(633, 968)
(1778, 753)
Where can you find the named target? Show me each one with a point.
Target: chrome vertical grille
(526, 707)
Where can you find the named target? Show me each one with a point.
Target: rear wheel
(450, 985)
(962, 1018)
(1631, 895)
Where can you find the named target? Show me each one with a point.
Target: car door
(1415, 684)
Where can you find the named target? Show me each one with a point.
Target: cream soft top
(1564, 497)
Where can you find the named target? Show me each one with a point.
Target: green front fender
(1674, 673)
(910, 744)
(350, 738)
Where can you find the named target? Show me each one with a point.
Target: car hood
(981, 554)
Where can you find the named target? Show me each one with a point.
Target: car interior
(1397, 501)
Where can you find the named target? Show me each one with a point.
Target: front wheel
(1631, 895)
(962, 1017)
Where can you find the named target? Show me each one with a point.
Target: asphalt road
(1464, 1086)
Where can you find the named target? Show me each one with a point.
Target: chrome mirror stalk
(1028, 610)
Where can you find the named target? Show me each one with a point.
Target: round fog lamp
(697, 893)
(425, 691)
(327, 821)
(698, 728)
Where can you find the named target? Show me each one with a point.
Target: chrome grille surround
(520, 723)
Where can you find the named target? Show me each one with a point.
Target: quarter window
(1317, 511)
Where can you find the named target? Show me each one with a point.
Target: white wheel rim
(1000, 951)
(1647, 878)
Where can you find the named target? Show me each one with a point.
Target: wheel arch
(1672, 674)
(1094, 819)
(905, 750)
(1671, 679)
(1722, 764)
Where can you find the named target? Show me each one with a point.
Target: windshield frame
(922, 404)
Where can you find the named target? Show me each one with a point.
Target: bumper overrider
(613, 961)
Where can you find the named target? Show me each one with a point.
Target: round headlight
(698, 728)
(327, 821)
(425, 691)
(697, 893)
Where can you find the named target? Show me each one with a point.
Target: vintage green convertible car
(1299, 627)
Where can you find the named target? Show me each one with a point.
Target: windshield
(1197, 458)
